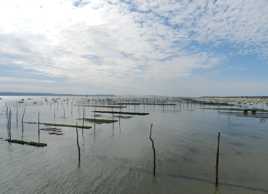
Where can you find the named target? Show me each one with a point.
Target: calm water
(118, 158)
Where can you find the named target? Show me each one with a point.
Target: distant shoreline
(264, 97)
(46, 94)
(109, 95)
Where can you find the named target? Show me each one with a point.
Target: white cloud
(122, 46)
(240, 22)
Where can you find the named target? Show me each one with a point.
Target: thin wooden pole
(83, 122)
(7, 111)
(72, 106)
(120, 116)
(7, 117)
(17, 115)
(38, 126)
(22, 123)
(113, 116)
(113, 122)
(9, 124)
(153, 147)
(217, 159)
(78, 146)
(54, 112)
(64, 112)
(94, 131)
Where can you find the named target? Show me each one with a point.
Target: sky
(137, 47)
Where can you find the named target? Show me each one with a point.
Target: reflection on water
(117, 157)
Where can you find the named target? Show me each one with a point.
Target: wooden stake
(153, 147)
(22, 123)
(78, 146)
(83, 124)
(217, 160)
(94, 131)
(9, 124)
(38, 126)
(54, 112)
(17, 115)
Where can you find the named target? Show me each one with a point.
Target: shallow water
(118, 158)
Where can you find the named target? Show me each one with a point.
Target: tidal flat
(117, 157)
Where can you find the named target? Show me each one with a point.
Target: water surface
(118, 158)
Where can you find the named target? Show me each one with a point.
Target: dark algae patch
(61, 125)
(98, 121)
(31, 143)
(126, 113)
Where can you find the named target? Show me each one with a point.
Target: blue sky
(162, 47)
